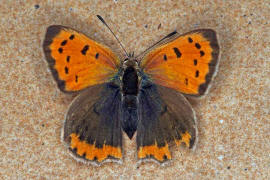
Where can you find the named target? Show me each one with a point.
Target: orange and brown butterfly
(145, 94)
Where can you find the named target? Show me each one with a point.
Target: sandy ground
(233, 119)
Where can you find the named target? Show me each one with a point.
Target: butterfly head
(130, 61)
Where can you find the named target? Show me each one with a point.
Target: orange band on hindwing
(159, 153)
(162, 153)
(93, 153)
(185, 138)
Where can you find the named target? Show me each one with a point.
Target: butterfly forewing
(76, 61)
(186, 64)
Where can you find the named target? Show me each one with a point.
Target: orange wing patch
(161, 154)
(185, 138)
(186, 64)
(77, 61)
(93, 153)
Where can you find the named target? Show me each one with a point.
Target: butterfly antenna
(168, 36)
(102, 20)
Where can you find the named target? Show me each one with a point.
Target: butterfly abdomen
(129, 118)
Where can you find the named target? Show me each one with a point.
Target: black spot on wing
(202, 53)
(63, 42)
(60, 50)
(68, 58)
(195, 62)
(85, 49)
(97, 55)
(71, 37)
(197, 74)
(177, 52)
(186, 81)
(197, 45)
(190, 40)
(66, 70)
(165, 57)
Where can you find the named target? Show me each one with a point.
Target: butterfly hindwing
(92, 129)
(187, 63)
(76, 61)
(165, 116)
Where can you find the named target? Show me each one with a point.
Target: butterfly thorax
(130, 78)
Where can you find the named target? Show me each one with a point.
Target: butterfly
(145, 95)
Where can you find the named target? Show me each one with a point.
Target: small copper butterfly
(145, 94)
